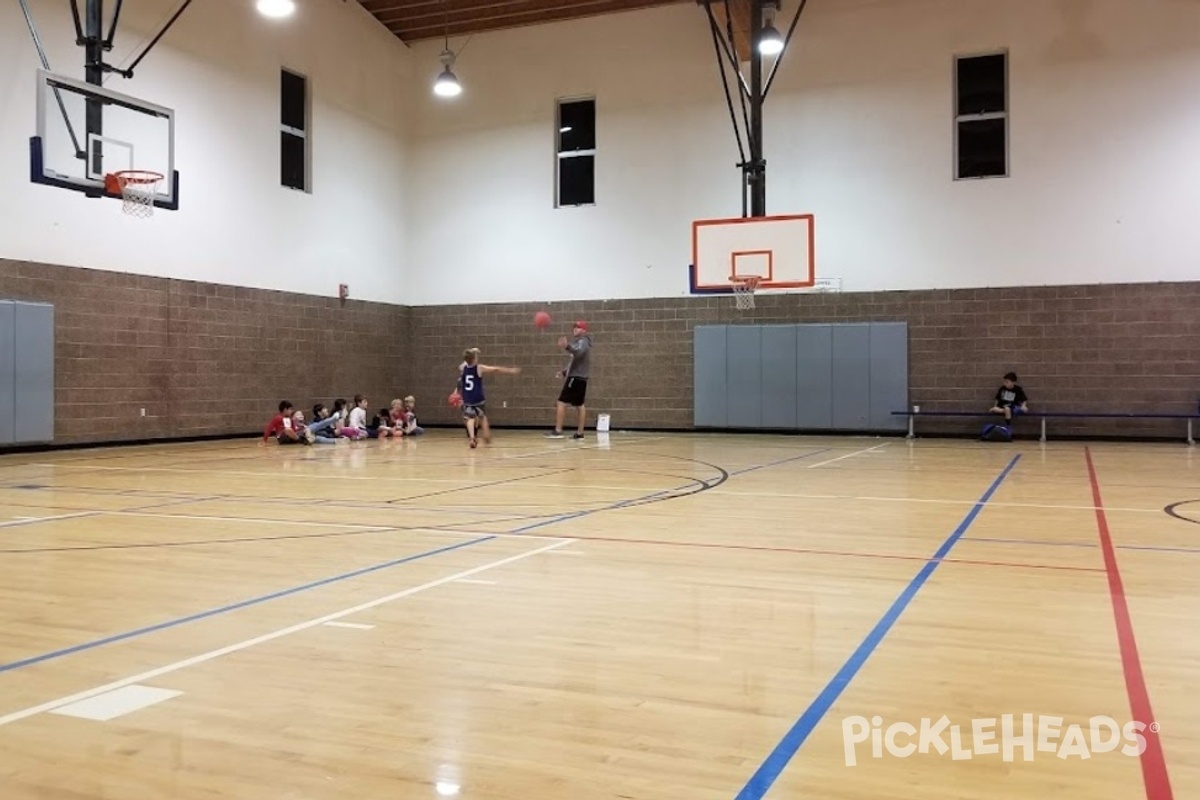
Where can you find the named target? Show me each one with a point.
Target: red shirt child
(280, 422)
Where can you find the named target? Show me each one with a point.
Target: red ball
(541, 320)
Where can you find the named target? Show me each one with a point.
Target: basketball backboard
(86, 133)
(777, 250)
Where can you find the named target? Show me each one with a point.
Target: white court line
(848, 455)
(358, 626)
(474, 580)
(30, 520)
(248, 643)
(346, 525)
(110, 705)
(459, 533)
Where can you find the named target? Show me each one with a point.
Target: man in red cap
(574, 391)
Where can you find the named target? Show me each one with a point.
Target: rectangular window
(575, 176)
(293, 123)
(981, 116)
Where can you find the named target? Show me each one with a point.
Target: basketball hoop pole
(756, 169)
(93, 71)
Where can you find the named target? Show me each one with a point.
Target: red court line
(1154, 763)
(822, 552)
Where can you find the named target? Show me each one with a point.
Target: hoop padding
(138, 189)
(743, 291)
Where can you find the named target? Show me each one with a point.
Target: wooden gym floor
(653, 617)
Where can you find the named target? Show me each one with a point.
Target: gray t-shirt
(581, 351)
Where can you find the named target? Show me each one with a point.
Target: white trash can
(602, 422)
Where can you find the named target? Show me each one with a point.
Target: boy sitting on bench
(1010, 401)
(1010, 398)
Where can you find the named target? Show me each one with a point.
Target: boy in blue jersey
(470, 389)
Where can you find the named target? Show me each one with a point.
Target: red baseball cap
(581, 324)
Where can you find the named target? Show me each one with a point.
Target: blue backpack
(997, 433)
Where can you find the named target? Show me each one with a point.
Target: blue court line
(1090, 545)
(235, 606)
(766, 775)
(555, 520)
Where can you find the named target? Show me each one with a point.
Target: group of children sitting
(346, 421)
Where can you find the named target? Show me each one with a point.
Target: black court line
(184, 497)
(174, 497)
(484, 485)
(242, 540)
(694, 486)
(676, 493)
(1173, 511)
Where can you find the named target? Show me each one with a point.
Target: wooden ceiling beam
(434, 26)
(432, 8)
(467, 11)
(740, 11)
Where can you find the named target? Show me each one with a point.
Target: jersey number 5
(469, 383)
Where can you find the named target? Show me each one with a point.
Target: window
(576, 172)
(293, 131)
(981, 116)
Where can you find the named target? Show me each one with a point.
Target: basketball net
(138, 188)
(743, 291)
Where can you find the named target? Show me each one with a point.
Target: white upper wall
(859, 131)
(219, 69)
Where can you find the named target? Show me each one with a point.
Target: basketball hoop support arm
(37, 43)
(96, 42)
(786, 41)
(112, 27)
(754, 167)
(718, 41)
(128, 73)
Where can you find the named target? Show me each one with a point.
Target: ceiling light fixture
(447, 84)
(770, 42)
(276, 9)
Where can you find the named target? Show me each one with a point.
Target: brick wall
(200, 358)
(1125, 348)
(208, 359)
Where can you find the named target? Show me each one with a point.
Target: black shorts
(474, 412)
(574, 392)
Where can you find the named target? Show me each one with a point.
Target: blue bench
(1045, 415)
